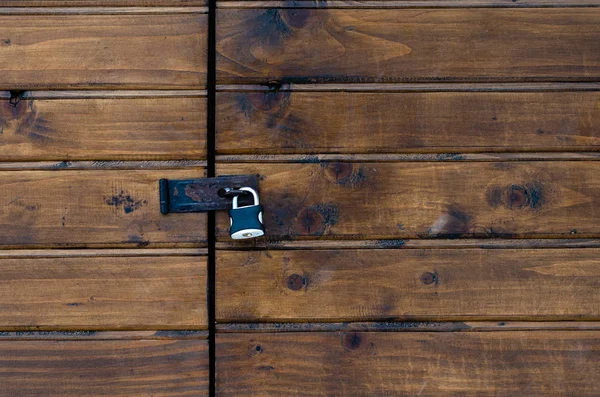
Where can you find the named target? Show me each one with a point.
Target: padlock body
(246, 222)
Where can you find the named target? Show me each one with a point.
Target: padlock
(246, 222)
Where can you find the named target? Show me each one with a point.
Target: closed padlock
(246, 222)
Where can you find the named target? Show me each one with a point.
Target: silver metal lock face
(246, 222)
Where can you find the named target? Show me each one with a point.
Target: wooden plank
(101, 10)
(403, 3)
(101, 3)
(103, 51)
(103, 129)
(63, 208)
(425, 200)
(361, 46)
(514, 363)
(104, 368)
(103, 293)
(350, 122)
(420, 284)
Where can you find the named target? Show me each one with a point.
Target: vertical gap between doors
(211, 85)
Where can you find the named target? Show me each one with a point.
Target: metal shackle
(246, 189)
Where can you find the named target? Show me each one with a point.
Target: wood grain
(403, 3)
(64, 11)
(103, 51)
(94, 293)
(349, 122)
(103, 129)
(416, 364)
(62, 208)
(425, 200)
(360, 46)
(425, 284)
(104, 368)
(100, 3)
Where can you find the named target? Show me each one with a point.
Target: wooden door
(100, 293)
(429, 174)
(430, 177)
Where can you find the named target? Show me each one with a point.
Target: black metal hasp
(203, 195)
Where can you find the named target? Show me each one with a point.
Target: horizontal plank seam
(411, 87)
(440, 156)
(86, 253)
(106, 94)
(101, 10)
(411, 326)
(103, 335)
(101, 165)
(491, 243)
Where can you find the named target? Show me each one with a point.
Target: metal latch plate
(201, 195)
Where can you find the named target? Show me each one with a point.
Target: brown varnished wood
(99, 293)
(353, 46)
(352, 122)
(42, 209)
(426, 284)
(403, 3)
(103, 129)
(104, 368)
(100, 3)
(101, 10)
(103, 51)
(363, 364)
(425, 200)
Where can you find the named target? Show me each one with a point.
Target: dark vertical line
(211, 86)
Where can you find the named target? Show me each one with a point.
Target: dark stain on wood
(255, 350)
(531, 195)
(428, 278)
(352, 340)
(124, 201)
(25, 120)
(344, 174)
(299, 17)
(296, 282)
(454, 223)
(315, 219)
